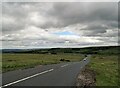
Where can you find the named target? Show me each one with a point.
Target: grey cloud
(72, 13)
(94, 30)
(100, 19)
(19, 12)
(94, 15)
(14, 12)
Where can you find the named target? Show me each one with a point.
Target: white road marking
(27, 78)
(64, 65)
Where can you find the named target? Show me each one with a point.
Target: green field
(21, 61)
(106, 69)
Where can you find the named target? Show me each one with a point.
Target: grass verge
(106, 68)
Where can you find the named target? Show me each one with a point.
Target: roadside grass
(0, 67)
(22, 61)
(106, 68)
(0, 63)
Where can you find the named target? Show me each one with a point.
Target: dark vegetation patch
(64, 60)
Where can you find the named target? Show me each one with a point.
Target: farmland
(21, 61)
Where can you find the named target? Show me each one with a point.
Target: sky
(59, 24)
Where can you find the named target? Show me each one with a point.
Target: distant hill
(87, 50)
(11, 50)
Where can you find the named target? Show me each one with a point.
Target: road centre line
(26, 78)
(64, 65)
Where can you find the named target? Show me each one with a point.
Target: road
(63, 74)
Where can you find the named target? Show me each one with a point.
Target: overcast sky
(63, 24)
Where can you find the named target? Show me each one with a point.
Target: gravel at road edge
(86, 78)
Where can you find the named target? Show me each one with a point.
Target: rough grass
(106, 68)
(0, 66)
(21, 61)
(0, 63)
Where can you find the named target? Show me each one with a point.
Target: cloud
(31, 24)
(72, 13)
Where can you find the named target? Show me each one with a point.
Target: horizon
(60, 47)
